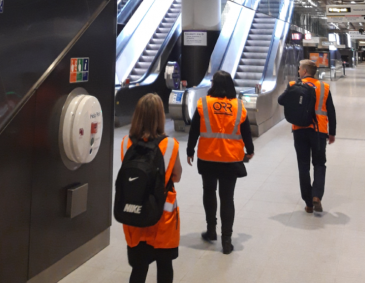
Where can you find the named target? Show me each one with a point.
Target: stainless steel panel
(76, 200)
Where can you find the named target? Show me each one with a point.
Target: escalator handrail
(271, 47)
(175, 27)
(122, 43)
(127, 11)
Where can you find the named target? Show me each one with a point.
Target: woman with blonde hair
(158, 242)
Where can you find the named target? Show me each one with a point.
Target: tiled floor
(274, 239)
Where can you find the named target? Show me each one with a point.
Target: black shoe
(227, 245)
(209, 236)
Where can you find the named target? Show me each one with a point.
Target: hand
(249, 156)
(190, 160)
(331, 139)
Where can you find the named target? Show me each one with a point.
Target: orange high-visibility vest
(322, 91)
(165, 234)
(220, 131)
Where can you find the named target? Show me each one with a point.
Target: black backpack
(140, 186)
(299, 101)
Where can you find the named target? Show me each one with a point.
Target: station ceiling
(317, 9)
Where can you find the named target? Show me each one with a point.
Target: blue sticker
(178, 97)
(85, 76)
(86, 65)
(1, 6)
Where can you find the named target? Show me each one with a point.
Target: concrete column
(201, 25)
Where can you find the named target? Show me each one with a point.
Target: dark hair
(223, 85)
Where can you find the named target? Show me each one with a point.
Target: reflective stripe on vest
(167, 156)
(210, 134)
(321, 100)
(170, 207)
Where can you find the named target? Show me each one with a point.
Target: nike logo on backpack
(132, 179)
(131, 208)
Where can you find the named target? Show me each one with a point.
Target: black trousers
(165, 272)
(226, 193)
(306, 143)
(141, 256)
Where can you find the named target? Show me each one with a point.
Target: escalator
(252, 49)
(146, 44)
(121, 4)
(126, 9)
(252, 63)
(154, 45)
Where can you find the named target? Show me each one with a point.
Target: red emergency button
(94, 128)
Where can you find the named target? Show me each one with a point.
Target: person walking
(159, 242)
(307, 142)
(221, 122)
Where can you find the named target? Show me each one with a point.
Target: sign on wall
(345, 19)
(356, 35)
(356, 10)
(79, 70)
(195, 38)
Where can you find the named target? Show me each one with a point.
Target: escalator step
(158, 41)
(260, 37)
(250, 68)
(160, 35)
(248, 76)
(143, 65)
(169, 20)
(269, 6)
(256, 49)
(265, 20)
(134, 78)
(138, 71)
(175, 10)
(163, 30)
(263, 43)
(260, 15)
(144, 58)
(170, 15)
(166, 25)
(246, 83)
(153, 46)
(252, 55)
(152, 53)
(263, 26)
(239, 89)
(253, 62)
(261, 31)
(176, 6)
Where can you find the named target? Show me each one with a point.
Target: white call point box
(82, 129)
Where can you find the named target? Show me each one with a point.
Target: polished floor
(274, 239)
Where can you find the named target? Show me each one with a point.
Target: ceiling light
(353, 2)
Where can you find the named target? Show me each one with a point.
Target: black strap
(150, 143)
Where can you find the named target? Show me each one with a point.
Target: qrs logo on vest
(222, 108)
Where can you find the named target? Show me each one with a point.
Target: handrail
(268, 54)
(121, 42)
(127, 11)
(52, 67)
(159, 52)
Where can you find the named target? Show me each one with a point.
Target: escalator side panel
(238, 41)
(141, 37)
